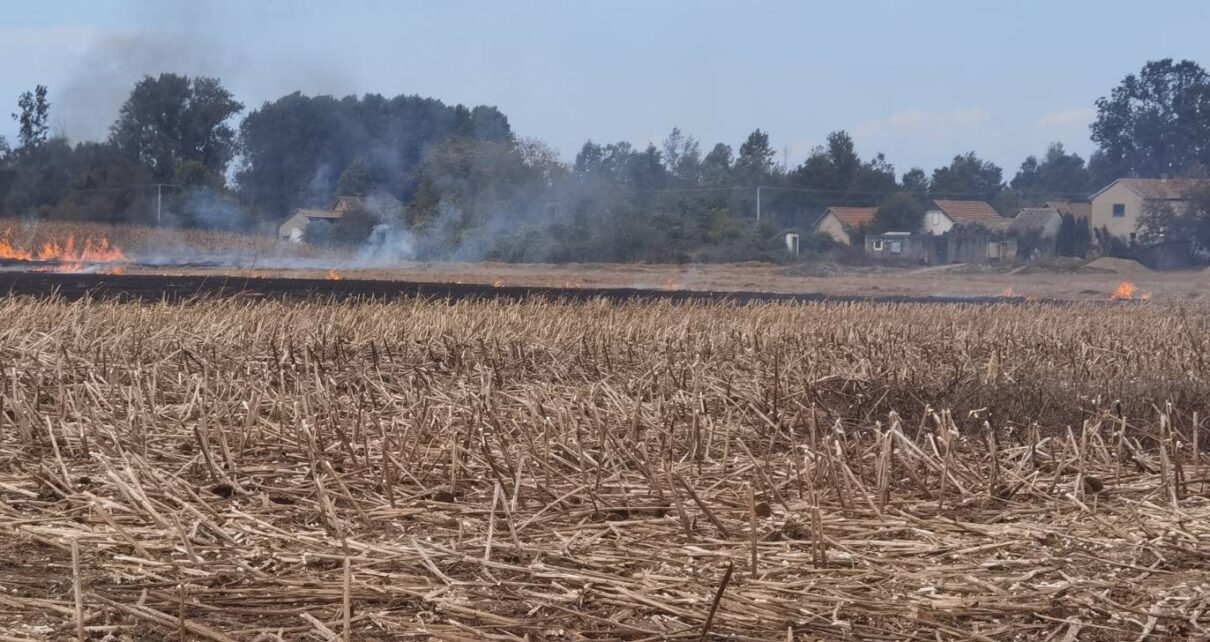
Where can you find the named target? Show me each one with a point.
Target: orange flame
(1008, 292)
(497, 283)
(1124, 292)
(333, 275)
(8, 251)
(67, 256)
(1146, 296)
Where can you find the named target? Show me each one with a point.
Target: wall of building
(911, 248)
(936, 222)
(832, 226)
(291, 229)
(1102, 211)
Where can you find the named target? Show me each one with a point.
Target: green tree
(355, 180)
(1162, 220)
(1073, 238)
(969, 177)
(754, 164)
(839, 174)
(683, 156)
(1156, 123)
(832, 168)
(295, 148)
(899, 212)
(32, 119)
(171, 119)
(916, 182)
(716, 167)
(1057, 175)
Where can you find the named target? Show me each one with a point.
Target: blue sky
(920, 81)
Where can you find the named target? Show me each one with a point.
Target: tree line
(468, 187)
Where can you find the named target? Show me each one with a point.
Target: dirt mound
(1116, 266)
(1056, 265)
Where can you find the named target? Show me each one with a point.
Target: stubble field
(238, 470)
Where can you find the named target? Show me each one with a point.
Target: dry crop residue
(231, 469)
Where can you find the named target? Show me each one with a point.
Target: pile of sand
(1117, 266)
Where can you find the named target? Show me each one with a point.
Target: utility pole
(758, 205)
(159, 201)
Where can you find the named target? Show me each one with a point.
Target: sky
(920, 81)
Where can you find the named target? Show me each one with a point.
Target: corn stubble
(241, 470)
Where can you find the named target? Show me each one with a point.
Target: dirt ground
(959, 280)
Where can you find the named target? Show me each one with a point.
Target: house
(946, 214)
(1036, 229)
(294, 228)
(1119, 206)
(840, 222)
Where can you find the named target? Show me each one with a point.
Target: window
(877, 246)
(934, 218)
(1119, 210)
(896, 247)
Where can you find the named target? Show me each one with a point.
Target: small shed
(973, 245)
(1036, 229)
(898, 245)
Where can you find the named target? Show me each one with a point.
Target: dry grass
(237, 470)
(142, 241)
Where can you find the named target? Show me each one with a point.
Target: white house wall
(936, 222)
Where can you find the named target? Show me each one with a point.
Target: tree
(1156, 123)
(355, 180)
(716, 167)
(916, 182)
(967, 176)
(1161, 220)
(831, 168)
(755, 160)
(1057, 175)
(839, 174)
(171, 119)
(1073, 238)
(683, 156)
(32, 121)
(899, 212)
(295, 148)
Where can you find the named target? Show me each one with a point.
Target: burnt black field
(151, 287)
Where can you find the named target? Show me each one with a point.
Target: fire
(497, 283)
(7, 251)
(1008, 292)
(670, 284)
(1146, 296)
(67, 256)
(333, 275)
(1124, 292)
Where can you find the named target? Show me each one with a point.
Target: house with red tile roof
(946, 214)
(841, 222)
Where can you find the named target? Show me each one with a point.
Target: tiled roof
(854, 216)
(1157, 188)
(969, 211)
(1032, 219)
(1078, 210)
(1164, 189)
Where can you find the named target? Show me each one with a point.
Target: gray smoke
(189, 39)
